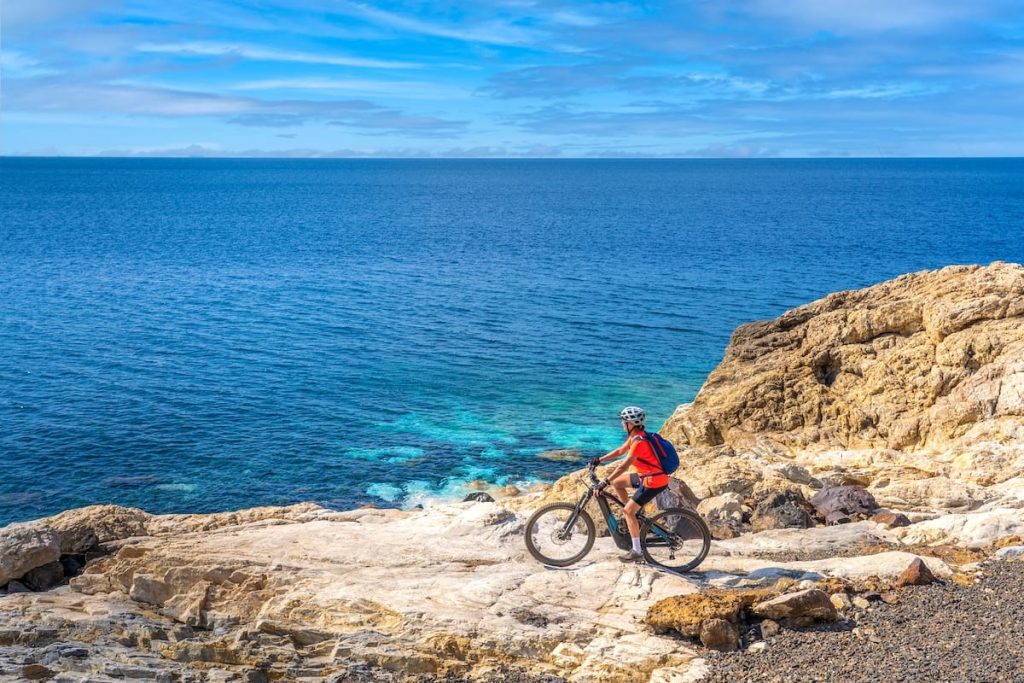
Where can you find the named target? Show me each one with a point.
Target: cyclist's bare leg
(634, 526)
(630, 508)
(620, 483)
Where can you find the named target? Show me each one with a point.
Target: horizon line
(237, 157)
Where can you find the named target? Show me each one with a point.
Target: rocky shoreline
(842, 454)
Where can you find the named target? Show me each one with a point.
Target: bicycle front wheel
(558, 535)
(676, 539)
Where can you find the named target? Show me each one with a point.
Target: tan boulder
(719, 634)
(24, 547)
(82, 529)
(687, 613)
(812, 603)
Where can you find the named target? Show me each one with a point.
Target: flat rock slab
(446, 590)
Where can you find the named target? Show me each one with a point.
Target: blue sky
(512, 78)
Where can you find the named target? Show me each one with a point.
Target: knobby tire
(588, 523)
(691, 517)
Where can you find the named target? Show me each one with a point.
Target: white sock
(636, 544)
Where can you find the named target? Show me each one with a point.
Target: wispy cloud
(257, 53)
(843, 16)
(53, 95)
(15, 64)
(494, 32)
(517, 77)
(405, 89)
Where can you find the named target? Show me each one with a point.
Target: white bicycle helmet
(633, 415)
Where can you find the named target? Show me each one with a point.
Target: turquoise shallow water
(193, 335)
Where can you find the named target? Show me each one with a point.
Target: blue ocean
(189, 335)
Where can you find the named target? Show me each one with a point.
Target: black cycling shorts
(643, 495)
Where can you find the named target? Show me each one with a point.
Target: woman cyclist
(648, 478)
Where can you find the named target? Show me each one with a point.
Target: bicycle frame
(605, 501)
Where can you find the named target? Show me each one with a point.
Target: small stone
(961, 579)
(1010, 552)
(866, 633)
(758, 646)
(770, 628)
(478, 497)
(36, 672)
(719, 634)
(891, 519)
(841, 601)
(889, 598)
(784, 584)
(859, 602)
(917, 574)
(508, 491)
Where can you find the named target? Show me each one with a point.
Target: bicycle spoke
(558, 535)
(676, 539)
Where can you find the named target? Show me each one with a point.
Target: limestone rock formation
(925, 359)
(913, 388)
(306, 594)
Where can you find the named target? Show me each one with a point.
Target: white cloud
(850, 16)
(54, 95)
(28, 12)
(257, 53)
(493, 33)
(420, 90)
(15, 64)
(571, 18)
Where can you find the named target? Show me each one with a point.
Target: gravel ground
(934, 633)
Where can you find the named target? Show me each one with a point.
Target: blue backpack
(665, 451)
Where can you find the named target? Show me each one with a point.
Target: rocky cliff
(914, 386)
(911, 389)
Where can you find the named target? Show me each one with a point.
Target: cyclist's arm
(625, 464)
(611, 455)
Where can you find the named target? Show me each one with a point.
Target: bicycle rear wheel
(676, 539)
(551, 539)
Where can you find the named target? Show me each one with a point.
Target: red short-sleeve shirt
(646, 462)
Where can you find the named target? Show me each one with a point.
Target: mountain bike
(562, 534)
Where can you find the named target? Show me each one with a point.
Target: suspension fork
(569, 523)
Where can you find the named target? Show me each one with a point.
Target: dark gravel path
(935, 633)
